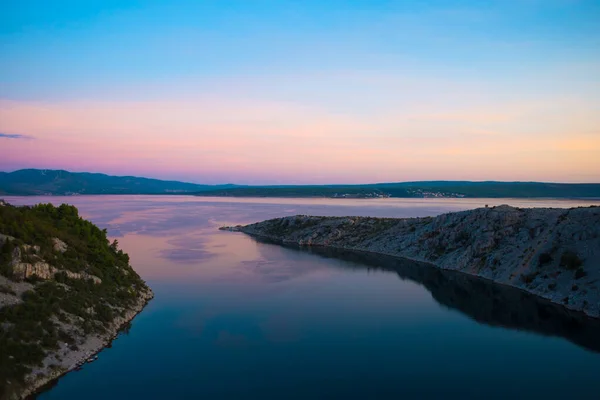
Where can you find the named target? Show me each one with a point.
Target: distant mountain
(59, 182)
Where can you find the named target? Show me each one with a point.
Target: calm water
(236, 318)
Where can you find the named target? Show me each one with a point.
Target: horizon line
(293, 185)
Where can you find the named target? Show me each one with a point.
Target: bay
(238, 318)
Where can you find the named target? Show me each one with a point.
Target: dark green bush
(463, 236)
(570, 260)
(544, 258)
(528, 278)
(580, 273)
(7, 290)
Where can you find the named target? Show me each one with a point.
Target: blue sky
(523, 70)
(73, 48)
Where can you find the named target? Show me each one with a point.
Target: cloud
(15, 136)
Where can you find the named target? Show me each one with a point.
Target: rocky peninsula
(65, 293)
(551, 253)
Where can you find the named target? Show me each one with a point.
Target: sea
(237, 318)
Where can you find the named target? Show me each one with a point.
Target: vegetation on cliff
(62, 281)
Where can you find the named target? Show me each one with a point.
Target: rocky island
(551, 253)
(65, 292)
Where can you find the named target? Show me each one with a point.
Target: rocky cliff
(552, 253)
(65, 291)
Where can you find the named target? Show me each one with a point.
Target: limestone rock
(59, 245)
(42, 270)
(31, 249)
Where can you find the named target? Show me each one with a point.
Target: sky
(306, 91)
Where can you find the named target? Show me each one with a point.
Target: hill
(65, 291)
(59, 182)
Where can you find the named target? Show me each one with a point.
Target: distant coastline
(37, 182)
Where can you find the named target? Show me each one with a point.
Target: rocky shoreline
(66, 291)
(87, 351)
(551, 253)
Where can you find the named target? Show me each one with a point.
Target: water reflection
(480, 299)
(238, 318)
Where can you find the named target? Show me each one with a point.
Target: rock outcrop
(59, 245)
(41, 269)
(552, 253)
(45, 271)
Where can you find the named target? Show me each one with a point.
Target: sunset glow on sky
(303, 91)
